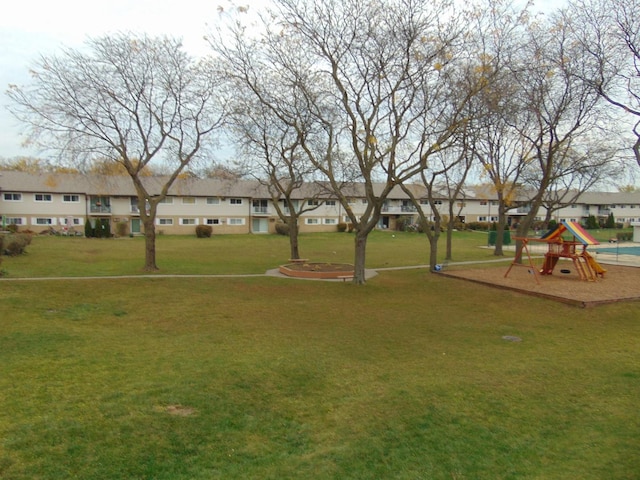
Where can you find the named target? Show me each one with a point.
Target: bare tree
(372, 76)
(556, 107)
(269, 118)
(135, 100)
(609, 31)
(577, 170)
(497, 147)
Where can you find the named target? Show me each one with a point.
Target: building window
(313, 203)
(330, 203)
(188, 221)
(44, 221)
(71, 198)
(235, 201)
(236, 221)
(12, 197)
(482, 219)
(15, 221)
(330, 221)
(437, 202)
(167, 200)
(188, 200)
(483, 203)
(43, 197)
(312, 221)
(165, 221)
(212, 221)
(213, 201)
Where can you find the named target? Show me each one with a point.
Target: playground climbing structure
(574, 249)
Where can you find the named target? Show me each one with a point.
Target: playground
(565, 271)
(619, 284)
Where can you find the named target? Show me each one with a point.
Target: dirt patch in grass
(619, 283)
(177, 410)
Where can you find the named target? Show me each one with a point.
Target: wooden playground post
(517, 260)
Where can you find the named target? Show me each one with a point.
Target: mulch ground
(619, 283)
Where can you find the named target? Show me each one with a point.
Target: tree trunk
(150, 245)
(449, 253)
(433, 249)
(360, 253)
(502, 220)
(293, 239)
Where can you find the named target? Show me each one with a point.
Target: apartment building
(64, 202)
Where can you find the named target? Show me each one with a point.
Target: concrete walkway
(608, 259)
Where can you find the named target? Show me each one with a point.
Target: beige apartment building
(64, 202)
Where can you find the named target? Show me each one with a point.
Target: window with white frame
(188, 200)
(483, 203)
(482, 219)
(330, 203)
(311, 221)
(167, 200)
(12, 197)
(43, 197)
(71, 198)
(330, 221)
(74, 221)
(213, 201)
(235, 201)
(313, 203)
(44, 221)
(15, 220)
(437, 202)
(236, 221)
(188, 221)
(165, 221)
(212, 221)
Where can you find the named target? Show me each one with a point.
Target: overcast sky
(30, 28)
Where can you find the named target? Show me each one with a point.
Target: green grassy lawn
(226, 254)
(407, 377)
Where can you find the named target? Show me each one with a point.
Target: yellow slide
(597, 268)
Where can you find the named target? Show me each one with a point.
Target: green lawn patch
(264, 378)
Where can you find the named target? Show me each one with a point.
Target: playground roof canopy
(575, 229)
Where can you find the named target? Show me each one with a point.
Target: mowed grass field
(406, 377)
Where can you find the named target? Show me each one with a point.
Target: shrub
(624, 236)
(88, 228)
(204, 231)
(282, 228)
(402, 224)
(122, 229)
(1, 244)
(592, 223)
(12, 227)
(16, 244)
(484, 226)
(342, 227)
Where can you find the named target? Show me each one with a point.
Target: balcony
(260, 210)
(399, 209)
(100, 209)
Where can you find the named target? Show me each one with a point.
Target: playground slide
(597, 268)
